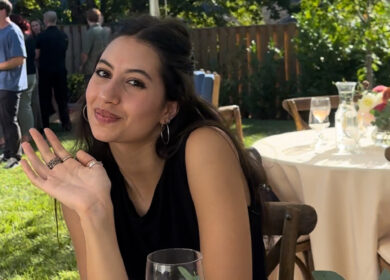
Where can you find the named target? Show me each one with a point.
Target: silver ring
(53, 162)
(66, 158)
(93, 162)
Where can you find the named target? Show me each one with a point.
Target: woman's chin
(102, 136)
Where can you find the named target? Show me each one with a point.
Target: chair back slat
(289, 220)
(198, 80)
(295, 105)
(206, 91)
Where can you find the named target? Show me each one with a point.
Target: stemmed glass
(319, 117)
(174, 264)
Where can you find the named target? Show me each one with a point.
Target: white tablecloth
(351, 194)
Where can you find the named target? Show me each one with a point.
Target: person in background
(96, 40)
(36, 29)
(51, 46)
(13, 80)
(25, 114)
(155, 166)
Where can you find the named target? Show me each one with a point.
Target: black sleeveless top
(170, 222)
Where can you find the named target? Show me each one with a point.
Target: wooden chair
(208, 85)
(303, 242)
(295, 105)
(288, 220)
(383, 254)
(230, 114)
(383, 264)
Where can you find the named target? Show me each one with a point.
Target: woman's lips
(104, 116)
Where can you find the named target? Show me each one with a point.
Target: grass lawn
(29, 248)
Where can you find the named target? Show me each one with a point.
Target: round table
(351, 194)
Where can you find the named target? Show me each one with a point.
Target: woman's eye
(102, 73)
(136, 83)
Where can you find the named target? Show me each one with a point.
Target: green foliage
(76, 86)
(385, 275)
(338, 35)
(198, 13)
(330, 275)
(262, 89)
(186, 274)
(326, 275)
(33, 9)
(382, 118)
(207, 13)
(266, 86)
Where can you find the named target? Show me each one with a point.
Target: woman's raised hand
(82, 184)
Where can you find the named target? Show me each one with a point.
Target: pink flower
(386, 95)
(379, 88)
(380, 107)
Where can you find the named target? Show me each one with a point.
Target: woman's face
(125, 96)
(35, 27)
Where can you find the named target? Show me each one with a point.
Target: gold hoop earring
(165, 138)
(85, 116)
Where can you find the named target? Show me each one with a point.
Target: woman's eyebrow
(140, 71)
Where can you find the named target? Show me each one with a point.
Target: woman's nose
(110, 92)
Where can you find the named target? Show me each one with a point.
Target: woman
(171, 175)
(36, 29)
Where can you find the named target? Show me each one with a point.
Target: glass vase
(346, 119)
(381, 137)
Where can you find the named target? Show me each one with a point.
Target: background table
(351, 194)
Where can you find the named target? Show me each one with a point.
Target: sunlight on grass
(29, 249)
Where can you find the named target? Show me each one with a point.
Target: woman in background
(155, 167)
(36, 28)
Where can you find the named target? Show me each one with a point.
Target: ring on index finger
(66, 158)
(53, 162)
(93, 162)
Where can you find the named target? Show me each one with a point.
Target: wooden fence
(76, 35)
(225, 48)
(221, 49)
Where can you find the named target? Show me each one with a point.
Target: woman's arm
(76, 234)
(85, 192)
(221, 196)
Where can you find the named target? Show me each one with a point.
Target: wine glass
(319, 117)
(174, 264)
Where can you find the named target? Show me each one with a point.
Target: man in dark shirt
(50, 52)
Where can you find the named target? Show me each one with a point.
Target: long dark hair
(171, 40)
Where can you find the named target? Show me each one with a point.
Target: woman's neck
(137, 163)
(141, 168)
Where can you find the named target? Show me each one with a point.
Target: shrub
(76, 87)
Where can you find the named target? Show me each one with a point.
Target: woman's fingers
(42, 145)
(39, 167)
(88, 160)
(37, 180)
(55, 143)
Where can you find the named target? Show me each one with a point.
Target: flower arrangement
(375, 108)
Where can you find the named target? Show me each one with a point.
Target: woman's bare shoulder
(210, 140)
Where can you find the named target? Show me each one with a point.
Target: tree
(346, 30)
(198, 13)
(204, 13)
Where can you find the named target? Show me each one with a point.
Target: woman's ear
(171, 110)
